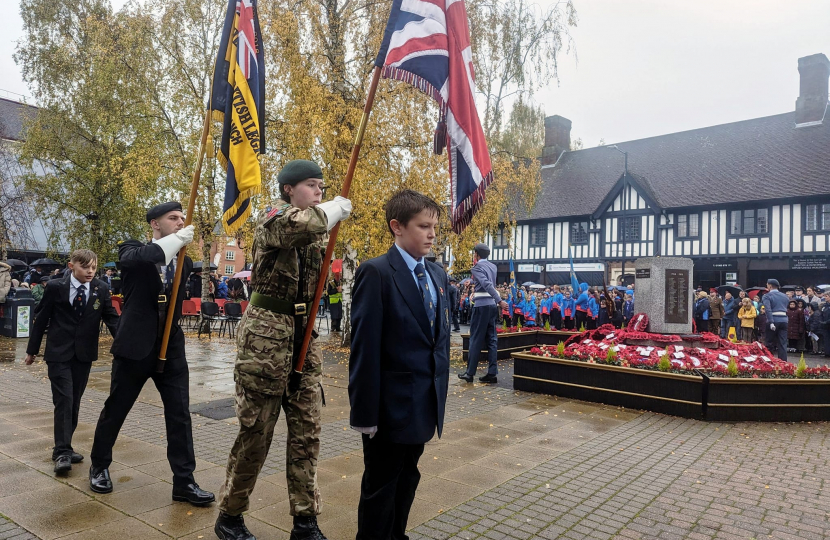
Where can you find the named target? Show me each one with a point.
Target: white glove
(336, 210)
(772, 327)
(172, 243)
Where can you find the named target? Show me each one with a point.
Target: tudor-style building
(747, 200)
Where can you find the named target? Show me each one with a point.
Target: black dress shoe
(99, 480)
(232, 528)
(465, 377)
(193, 494)
(63, 464)
(305, 528)
(488, 379)
(76, 458)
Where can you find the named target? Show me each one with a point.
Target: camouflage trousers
(258, 414)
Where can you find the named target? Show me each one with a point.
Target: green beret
(298, 170)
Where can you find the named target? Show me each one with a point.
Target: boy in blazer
(72, 308)
(399, 363)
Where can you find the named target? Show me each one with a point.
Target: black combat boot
(232, 528)
(305, 528)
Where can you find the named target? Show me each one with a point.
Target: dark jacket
(69, 335)
(398, 368)
(453, 290)
(701, 307)
(142, 320)
(796, 325)
(730, 309)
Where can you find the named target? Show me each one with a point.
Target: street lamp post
(624, 204)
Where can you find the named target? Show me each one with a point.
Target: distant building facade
(746, 201)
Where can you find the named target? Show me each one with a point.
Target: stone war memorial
(656, 362)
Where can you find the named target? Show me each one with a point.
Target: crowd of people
(808, 317)
(556, 306)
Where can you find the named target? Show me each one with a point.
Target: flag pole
(191, 205)
(347, 184)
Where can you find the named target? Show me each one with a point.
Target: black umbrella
(46, 262)
(197, 266)
(527, 284)
(16, 264)
(786, 288)
(734, 291)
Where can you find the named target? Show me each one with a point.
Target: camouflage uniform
(284, 238)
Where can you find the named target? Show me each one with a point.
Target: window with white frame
(230, 255)
(817, 217)
(539, 235)
(688, 225)
(229, 269)
(749, 222)
(579, 232)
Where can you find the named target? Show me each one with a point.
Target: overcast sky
(646, 67)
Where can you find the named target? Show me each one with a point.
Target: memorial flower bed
(722, 358)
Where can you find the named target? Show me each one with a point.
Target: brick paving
(510, 466)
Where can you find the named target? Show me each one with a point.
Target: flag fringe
(463, 213)
(231, 212)
(391, 72)
(223, 161)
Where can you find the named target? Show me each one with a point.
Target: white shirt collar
(75, 283)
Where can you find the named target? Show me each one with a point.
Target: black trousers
(128, 378)
(68, 381)
(455, 323)
(556, 319)
(390, 478)
(581, 319)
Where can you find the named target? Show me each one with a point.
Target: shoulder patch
(278, 210)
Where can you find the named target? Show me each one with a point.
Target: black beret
(483, 250)
(298, 170)
(160, 209)
(773, 282)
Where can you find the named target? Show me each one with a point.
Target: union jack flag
(427, 44)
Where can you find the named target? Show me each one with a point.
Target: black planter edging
(768, 400)
(668, 393)
(508, 343)
(689, 396)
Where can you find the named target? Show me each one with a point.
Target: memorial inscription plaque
(677, 296)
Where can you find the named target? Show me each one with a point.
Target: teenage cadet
(289, 244)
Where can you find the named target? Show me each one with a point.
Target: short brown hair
(83, 256)
(406, 204)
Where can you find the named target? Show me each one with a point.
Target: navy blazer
(71, 336)
(398, 368)
(141, 327)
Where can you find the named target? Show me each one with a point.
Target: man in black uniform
(454, 298)
(148, 271)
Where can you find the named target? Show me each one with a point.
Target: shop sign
(641, 273)
(578, 267)
(808, 263)
(527, 268)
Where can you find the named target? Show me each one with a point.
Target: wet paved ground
(510, 465)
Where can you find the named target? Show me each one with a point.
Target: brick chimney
(814, 71)
(557, 138)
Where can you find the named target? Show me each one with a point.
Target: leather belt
(279, 306)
